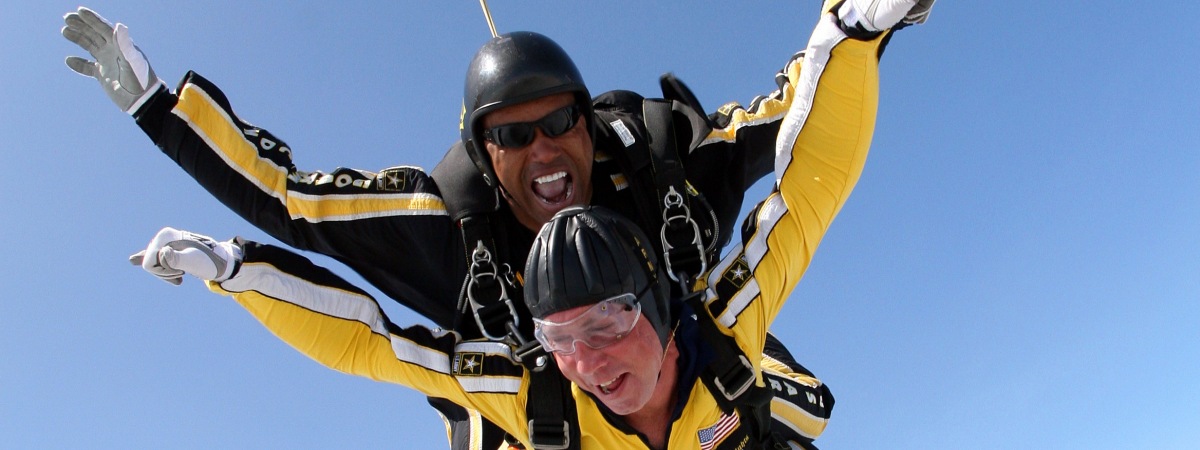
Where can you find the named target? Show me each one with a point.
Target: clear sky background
(1018, 267)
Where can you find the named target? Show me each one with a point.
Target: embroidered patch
(623, 132)
(738, 273)
(468, 364)
(394, 179)
(712, 436)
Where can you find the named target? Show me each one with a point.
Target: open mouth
(554, 188)
(612, 385)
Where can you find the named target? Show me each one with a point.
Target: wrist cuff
(158, 85)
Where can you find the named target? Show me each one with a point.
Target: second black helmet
(587, 254)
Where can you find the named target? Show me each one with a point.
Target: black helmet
(509, 69)
(587, 254)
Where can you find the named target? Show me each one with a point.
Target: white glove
(879, 15)
(176, 252)
(120, 66)
(919, 13)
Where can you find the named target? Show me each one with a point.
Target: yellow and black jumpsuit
(819, 154)
(391, 226)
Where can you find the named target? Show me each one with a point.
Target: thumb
(168, 258)
(82, 66)
(136, 258)
(134, 58)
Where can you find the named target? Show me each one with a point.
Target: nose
(543, 148)
(587, 360)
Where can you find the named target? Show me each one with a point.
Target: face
(548, 174)
(624, 375)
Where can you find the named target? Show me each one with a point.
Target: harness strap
(673, 89)
(549, 408)
(490, 287)
(731, 377)
(489, 290)
(683, 247)
(489, 293)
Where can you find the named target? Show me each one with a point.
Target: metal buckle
(532, 355)
(483, 268)
(673, 200)
(547, 436)
(746, 372)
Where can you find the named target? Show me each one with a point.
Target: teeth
(604, 386)
(548, 178)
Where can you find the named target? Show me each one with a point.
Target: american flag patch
(711, 436)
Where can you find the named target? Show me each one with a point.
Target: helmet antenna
(488, 15)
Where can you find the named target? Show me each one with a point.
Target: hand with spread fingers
(119, 66)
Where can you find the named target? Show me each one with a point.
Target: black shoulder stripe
(295, 265)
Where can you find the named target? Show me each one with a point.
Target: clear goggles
(600, 326)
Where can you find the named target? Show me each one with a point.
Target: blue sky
(1018, 266)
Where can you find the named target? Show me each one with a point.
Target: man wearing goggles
(600, 326)
(632, 351)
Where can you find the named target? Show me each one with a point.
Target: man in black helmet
(522, 102)
(596, 289)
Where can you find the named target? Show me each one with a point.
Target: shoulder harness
(490, 287)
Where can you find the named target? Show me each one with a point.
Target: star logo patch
(392, 180)
(468, 364)
(738, 273)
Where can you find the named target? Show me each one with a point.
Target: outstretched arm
(246, 167)
(340, 326)
(819, 155)
(389, 226)
(732, 148)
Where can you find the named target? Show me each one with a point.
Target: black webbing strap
(550, 409)
(683, 248)
(660, 130)
(489, 291)
(489, 288)
(731, 377)
(673, 89)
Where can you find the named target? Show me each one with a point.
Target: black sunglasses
(517, 135)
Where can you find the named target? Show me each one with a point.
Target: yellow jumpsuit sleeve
(820, 152)
(343, 328)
